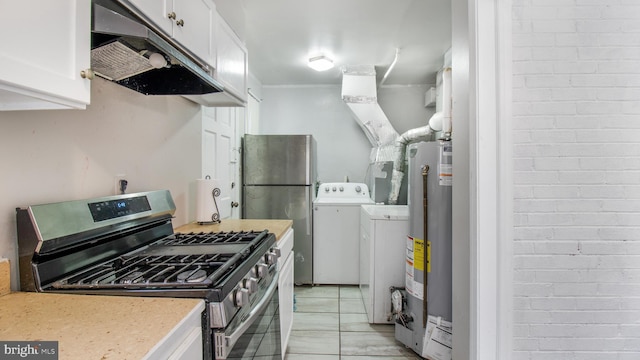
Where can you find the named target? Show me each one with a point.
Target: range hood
(129, 53)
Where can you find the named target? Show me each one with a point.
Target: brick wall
(576, 107)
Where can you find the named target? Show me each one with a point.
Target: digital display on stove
(112, 209)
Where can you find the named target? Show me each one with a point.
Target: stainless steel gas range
(125, 245)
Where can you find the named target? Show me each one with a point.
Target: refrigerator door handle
(310, 211)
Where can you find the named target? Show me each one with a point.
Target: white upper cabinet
(197, 26)
(189, 22)
(231, 59)
(230, 67)
(45, 48)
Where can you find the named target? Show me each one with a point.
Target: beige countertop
(92, 327)
(5, 277)
(278, 227)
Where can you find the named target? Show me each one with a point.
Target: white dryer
(336, 232)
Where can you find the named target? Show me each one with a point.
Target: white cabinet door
(191, 347)
(231, 59)
(218, 144)
(157, 11)
(44, 47)
(286, 302)
(193, 26)
(189, 22)
(286, 288)
(184, 341)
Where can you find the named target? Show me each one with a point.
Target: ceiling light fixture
(320, 63)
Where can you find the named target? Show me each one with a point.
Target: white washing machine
(336, 232)
(383, 243)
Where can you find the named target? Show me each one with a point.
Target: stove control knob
(326, 189)
(341, 189)
(334, 189)
(250, 284)
(358, 189)
(271, 257)
(241, 297)
(262, 270)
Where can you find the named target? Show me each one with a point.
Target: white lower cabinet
(285, 288)
(184, 341)
(190, 348)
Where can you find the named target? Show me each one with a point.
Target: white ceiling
(282, 34)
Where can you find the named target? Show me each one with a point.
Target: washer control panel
(344, 190)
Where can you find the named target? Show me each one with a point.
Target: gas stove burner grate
(178, 261)
(132, 278)
(151, 271)
(212, 238)
(192, 276)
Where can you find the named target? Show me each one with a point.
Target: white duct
(393, 64)
(360, 94)
(446, 103)
(414, 135)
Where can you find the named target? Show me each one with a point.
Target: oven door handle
(253, 314)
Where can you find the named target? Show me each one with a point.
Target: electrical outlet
(116, 183)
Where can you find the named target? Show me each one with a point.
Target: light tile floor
(330, 323)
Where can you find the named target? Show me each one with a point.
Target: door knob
(234, 204)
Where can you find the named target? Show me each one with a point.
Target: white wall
(576, 92)
(50, 156)
(462, 189)
(343, 148)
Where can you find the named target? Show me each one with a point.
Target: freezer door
(278, 160)
(286, 202)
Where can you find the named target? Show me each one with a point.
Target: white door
(236, 183)
(218, 160)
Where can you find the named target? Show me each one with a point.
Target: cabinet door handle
(171, 15)
(234, 204)
(87, 74)
(180, 22)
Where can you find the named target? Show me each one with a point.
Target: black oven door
(258, 337)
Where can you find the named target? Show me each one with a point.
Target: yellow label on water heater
(418, 254)
(415, 262)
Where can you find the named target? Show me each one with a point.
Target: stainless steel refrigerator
(278, 182)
